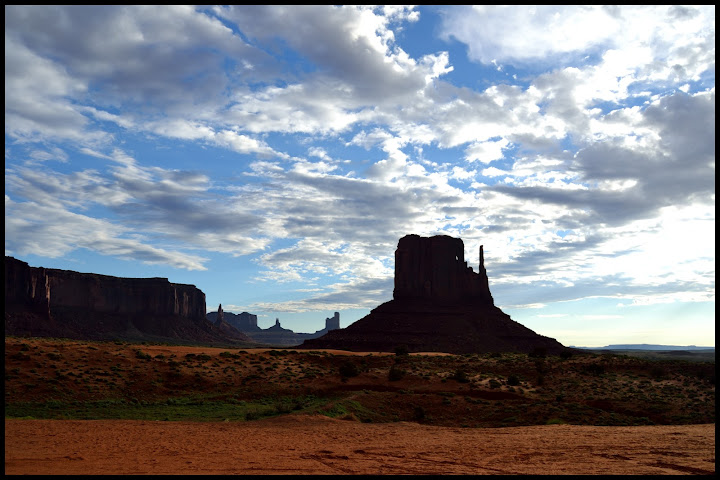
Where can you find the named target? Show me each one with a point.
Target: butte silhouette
(439, 305)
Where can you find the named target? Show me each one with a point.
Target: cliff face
(26, 286)
(434, 269)
(439, 305)
(43, 301)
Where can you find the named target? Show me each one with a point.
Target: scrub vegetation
(68, 379)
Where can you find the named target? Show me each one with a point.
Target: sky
(273, 156)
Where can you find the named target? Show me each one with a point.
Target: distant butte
(439, 305)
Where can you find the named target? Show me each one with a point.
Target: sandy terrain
(299, 444)
(364, 424)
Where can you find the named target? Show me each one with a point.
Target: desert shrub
(253, 415)
(658, 373)
(20, 356)
(494, 383)
(594, 369)
(402, 350)
(349, 369)
(142, 355)
(513, 380)
(460, 375)
(395, 373)
(565, 354)
(418, 413)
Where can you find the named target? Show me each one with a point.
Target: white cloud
(486, 152)
(542, 32)
(184, 134)
(28, 231)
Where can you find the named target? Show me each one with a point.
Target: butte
(439, 305)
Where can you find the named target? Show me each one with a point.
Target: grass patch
(196, 408)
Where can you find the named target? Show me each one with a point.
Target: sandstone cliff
(51, 302)
(434, 269)
(439, 305)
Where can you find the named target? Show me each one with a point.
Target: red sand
(297, 444)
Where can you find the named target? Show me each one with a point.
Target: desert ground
(319, 445)
(74, 407)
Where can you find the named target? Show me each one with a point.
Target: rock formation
(440, 305)
(51, 302)
(332, 323)
(275, 335)
(434, 269)
(245, 322)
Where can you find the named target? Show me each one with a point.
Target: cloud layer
(308, 139)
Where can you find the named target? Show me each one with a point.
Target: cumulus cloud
(542, 33)
(309, 139)
(28, 231)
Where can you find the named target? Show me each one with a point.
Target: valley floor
(316, 445)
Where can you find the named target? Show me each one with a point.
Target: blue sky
(273, 156)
